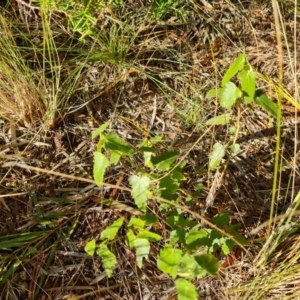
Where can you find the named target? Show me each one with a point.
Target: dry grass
(21, 99)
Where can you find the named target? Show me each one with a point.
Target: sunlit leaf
(219, 120)
(108, 258)
(234, 68)
(213, 93)
(150, 236)
(140, 189)
(248, 83)
(227, 246)
(136, 223)
(100, 165)
(110, 232)
(216, 155)
(130, 237)
(235, 148)
(98, 131)
(142, 247)
(169, 260)
(90, 247)
(189, 268)
(197, 237)
(186, 290)
(115, 158)
(229, 95)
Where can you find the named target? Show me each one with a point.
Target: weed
(188, 251)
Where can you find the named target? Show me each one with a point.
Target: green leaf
(130, 237)
(235, 67)
(233, 230)
(263, 101)
(108, 258)
(232, 129)
(217, 154)
(150, 236)
(147, 159)
(219, 120)
(248, 83)
(110, 232)
(18, 240)
(168, 188)
(196, 238)
(90, 247)
(112, 142)
(186, 290)
(100, 165)
(115, 158)
(136, 223)
(99, 130)
(177, 174)
(208, 262)
(189, 268)
(169, 260)
(164, 161)
(213, 93)
(229, 95)
(221, 219)
(149, 219)
(140, 189)
(227, 246)
(142, 247)
(177, 235)
(235, 148)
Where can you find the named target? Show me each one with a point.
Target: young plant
(188, 252)
(232, 95)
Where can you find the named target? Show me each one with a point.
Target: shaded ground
(172, 64)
